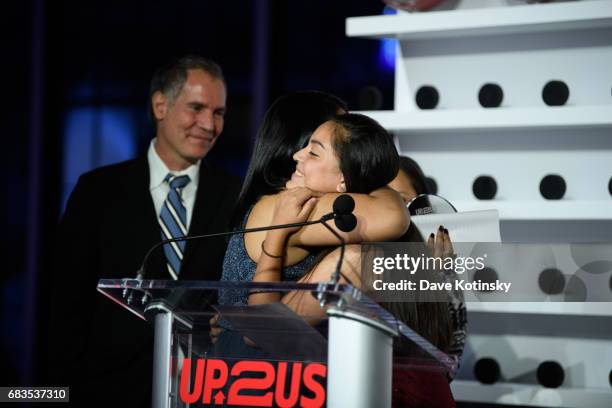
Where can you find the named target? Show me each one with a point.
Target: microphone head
(346, 222)
(344, 204)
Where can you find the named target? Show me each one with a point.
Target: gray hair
(169, 80)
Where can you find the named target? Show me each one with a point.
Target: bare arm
(308, 306)
(381, 216)
(269, 266)
(291, 206)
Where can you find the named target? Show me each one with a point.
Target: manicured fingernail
(441, 228)
(445, 231)
(431, 235)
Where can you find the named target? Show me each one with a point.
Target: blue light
(387, 50)
(95, 137)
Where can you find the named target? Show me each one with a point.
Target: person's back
(238, 263)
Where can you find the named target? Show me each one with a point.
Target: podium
(207, 354)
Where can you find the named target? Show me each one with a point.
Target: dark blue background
(75, 85)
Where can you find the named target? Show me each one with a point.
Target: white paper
(468, 226)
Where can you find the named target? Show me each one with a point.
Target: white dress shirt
(159, 190)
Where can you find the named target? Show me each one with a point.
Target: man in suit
(115, 214)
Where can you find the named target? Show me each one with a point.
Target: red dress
(421, 389)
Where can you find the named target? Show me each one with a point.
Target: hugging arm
(381, 216)
(303, 303)
(292, 206)
(306, 305)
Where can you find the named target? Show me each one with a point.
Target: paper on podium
(468, 226)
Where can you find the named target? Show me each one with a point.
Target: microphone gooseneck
(346, 221)
(343, 218)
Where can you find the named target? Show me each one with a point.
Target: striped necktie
(173, 222)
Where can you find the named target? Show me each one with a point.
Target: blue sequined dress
(238, 266)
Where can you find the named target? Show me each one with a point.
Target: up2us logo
(282, 384)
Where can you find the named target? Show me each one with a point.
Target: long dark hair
(366, 154)
(430, 319)
(285, 129)
(414, 172)
(369, 160)
(419, 183)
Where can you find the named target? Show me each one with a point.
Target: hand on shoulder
(294, 205)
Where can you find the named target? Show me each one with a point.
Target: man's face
(188, 127)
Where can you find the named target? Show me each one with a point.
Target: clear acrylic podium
(270, 355)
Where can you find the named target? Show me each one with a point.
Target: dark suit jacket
(101, 350)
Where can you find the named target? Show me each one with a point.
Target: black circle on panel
(555, 93)
(610, 283)
(610, 378)
(575, 290)
(610, 186)
(550, 374)
(551, 281)
(370, 98)
(431, 184)
(427, 97)
(591, 258)
(552, 187)
(484, 187)
(490, 95)
(486, 370)
(486, 274)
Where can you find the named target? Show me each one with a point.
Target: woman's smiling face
(318, 167)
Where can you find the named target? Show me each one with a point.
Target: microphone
(345, 221)
(342, 215)
(344, 204)
(343, 209)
